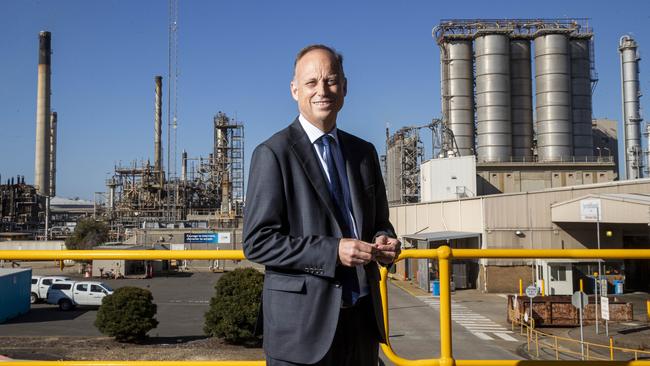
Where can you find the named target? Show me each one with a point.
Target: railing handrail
(444, 254)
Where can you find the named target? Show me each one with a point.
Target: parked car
(40, 285)
(69, 294)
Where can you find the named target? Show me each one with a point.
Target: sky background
(236, 57)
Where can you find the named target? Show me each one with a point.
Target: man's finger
(381, 239)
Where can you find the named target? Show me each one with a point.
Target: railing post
(446, 353)
(521, 287)
(587, 351)
(557, 350)
(611, 348)
(537, 343)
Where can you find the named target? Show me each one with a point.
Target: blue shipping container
(15, 286)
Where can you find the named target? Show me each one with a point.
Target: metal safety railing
(557, 345)
(443, 254)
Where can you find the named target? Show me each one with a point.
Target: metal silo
(494, 128)
(521, 98)
(631, 115)
(458, 93)
(553, 97)
(581, 96)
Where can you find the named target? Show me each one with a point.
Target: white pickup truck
(40, 285)
(68, 294)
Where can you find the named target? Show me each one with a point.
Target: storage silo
(553, 97)
(458, 92)
(631, 105)
(494, 128)
(521, 98)
(581, 96)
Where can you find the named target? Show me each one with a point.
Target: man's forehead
(317, 60)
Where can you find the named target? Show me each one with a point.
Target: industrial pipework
(157, 129)
(42, 153)
(631, 106)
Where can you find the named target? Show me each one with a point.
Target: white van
(40, 285)
(68, 294)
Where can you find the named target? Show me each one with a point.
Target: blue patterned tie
(346, 275)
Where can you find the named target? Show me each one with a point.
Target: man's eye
(311, 83)
(332, 81)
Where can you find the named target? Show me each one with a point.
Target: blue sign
(201, 238)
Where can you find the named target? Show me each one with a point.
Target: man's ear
(345, 86)
(294, 90)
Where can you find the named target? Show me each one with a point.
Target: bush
(127, 314)
(235, 307)
(87, 234)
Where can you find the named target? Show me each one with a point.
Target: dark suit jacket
(290, 226)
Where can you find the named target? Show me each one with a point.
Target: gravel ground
(105, 348)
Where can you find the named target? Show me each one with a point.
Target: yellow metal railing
(443, 254)
(556, 344)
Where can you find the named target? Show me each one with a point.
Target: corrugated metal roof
(442, 235)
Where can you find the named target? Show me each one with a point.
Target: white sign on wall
(604, 307)
(590, 210)
(224, 238)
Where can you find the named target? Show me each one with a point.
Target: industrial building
(209, 191)
(504, 177)
(544, 219)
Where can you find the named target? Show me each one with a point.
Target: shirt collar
(313, 132)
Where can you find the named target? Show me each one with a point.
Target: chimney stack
(42, 153)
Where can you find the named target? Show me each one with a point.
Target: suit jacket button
(337, 284)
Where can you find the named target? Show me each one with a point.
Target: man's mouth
(323, 103)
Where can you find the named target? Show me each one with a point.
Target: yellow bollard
(521, 287)
(647, 306)
(587, 351)
(611, 348)
(582, 286)
(537, 343)
(543, 292)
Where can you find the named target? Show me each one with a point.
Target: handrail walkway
(557, 345)
(443, 254)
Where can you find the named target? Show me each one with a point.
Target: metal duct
(494, 129)
(42, 150)
(631, 114)
(553, 96)
(458, 96)
(583, 144)
(53, 127)
(521, 99)
(157, 126)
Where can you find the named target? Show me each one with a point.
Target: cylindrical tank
(157, 126)
(494, 128)
(553, 96)
(631, 115)
(53, 122)
(583, 144)
(42, 152)
(459, 96)
(521, 99)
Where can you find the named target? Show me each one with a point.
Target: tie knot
(327, 140)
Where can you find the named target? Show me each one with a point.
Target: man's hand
(354, 252)
(386, 249)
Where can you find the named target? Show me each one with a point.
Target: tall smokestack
(42, 153)
(184, 167)
(53, 121)
(157, 127)
(631, 107)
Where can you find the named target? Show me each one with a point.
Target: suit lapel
(304, 151)
(352, 167)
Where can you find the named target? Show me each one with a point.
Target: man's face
(319, 88)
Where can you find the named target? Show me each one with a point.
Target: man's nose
(321, 88)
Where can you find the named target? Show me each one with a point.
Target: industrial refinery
(515, 146)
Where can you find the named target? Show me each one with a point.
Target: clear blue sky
(236, 56)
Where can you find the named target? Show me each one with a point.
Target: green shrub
(235, 306)
(127, 314)
(87, 234)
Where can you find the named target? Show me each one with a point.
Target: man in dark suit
(317, 217)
